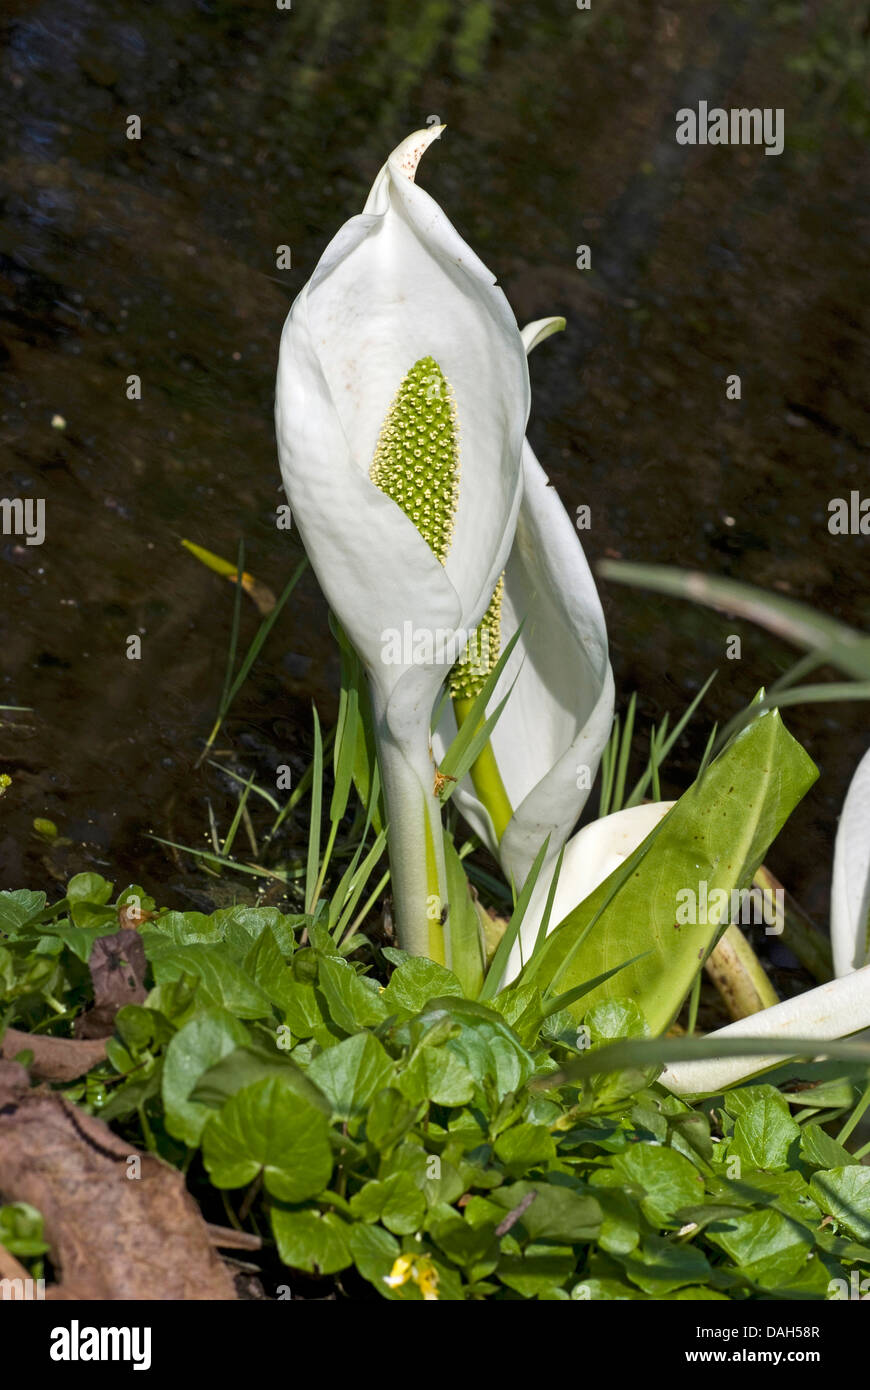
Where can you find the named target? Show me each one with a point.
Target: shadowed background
(263, 127)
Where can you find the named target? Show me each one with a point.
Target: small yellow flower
(401, 1272)
(420, 1271)
(426, 1278)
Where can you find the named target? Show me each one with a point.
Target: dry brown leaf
(117, 965)
(54, 1059)
(112, 1234)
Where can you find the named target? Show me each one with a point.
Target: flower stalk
(417, 868)
(484, 773)
(467, 680)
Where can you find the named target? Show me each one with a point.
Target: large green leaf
(554, 1213)
(717, 834)
(354, 1001)
(266, 1128)
(351, 1073)
(198, 1046)
(311, 1240)
(418, 980)
(764, 1131)
(668, 1179)
(19, 908)
(397, 1203)
(437, 1074)
(248, 1064)
(222, 981)
(844, 1193)
(767, 1246)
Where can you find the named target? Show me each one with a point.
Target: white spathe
(590, 857)
(833, 1010)
(550, 736)
(850, 885)
(396, 284)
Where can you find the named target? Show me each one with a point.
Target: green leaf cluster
(353, 1122)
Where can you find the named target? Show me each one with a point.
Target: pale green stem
(485, 776)
(415, 842)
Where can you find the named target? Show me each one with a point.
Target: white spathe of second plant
(395, 285)
(830, 1011)
(590, 857)
(550, 736)
(850, 885)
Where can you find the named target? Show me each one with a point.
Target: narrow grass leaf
(512, 930)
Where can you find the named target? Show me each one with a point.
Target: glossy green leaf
(555, 1213)
(195, 1048)
(844, 1193)
(245, 1065)
(18, 908)
(310, 1240)
(717, 834)
(350, 1074)
(416, 981)
(222, 981)
(821, 1151)
(267, 1129)
(437, 1074)
(524, 1147)
(397, 1203)
(764, 1132)
(768, 1247)
(353, 1001)
(659, 1266)
(668, 1180)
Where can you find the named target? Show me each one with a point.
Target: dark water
(156, 257)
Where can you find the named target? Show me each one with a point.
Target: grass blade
(231, 833)
(834, 642)
(548, 909)
(313, 861)
(562, 1001)
(256, 870)
(512, 930)
(648, 1052)
(232, 687)
(624, 755)
(457, 753)
(608, 765)
(639, 790)
(455, 768)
